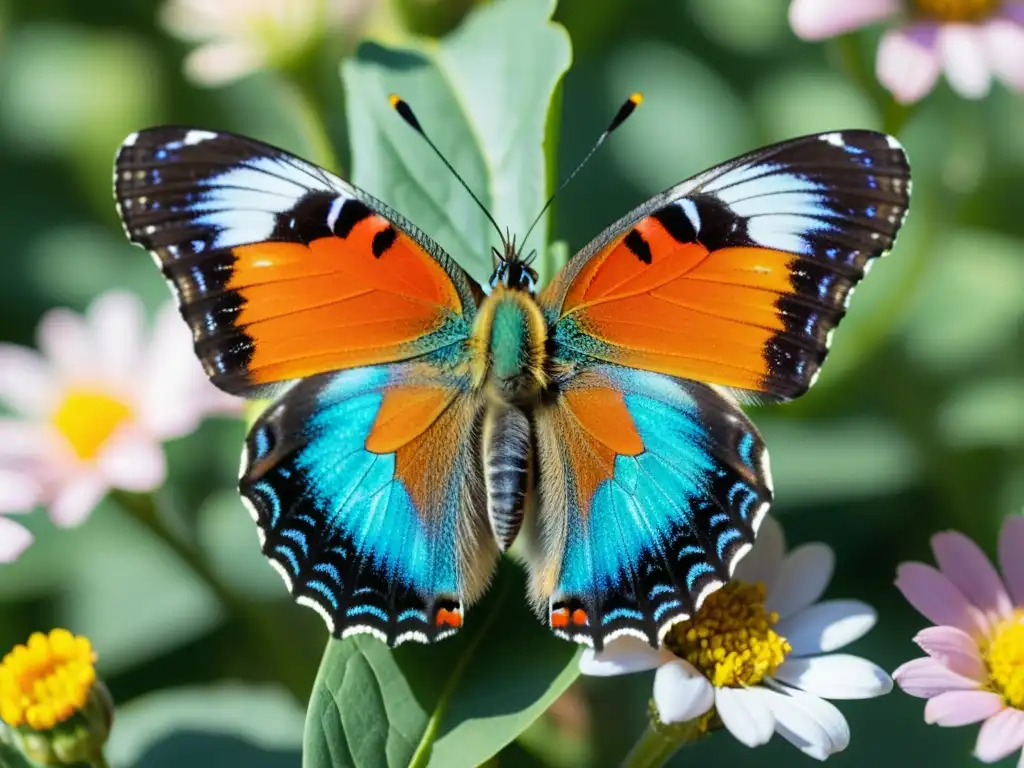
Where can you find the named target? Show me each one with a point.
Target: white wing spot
(835, 139)
(194, 137)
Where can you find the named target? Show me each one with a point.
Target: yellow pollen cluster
(47, 680)
(957, 10)
(1005, 657)
(87, 418)
(730, 639)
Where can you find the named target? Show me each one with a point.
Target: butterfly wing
(282, 270)
(651, 490)
(365, 487)
(738, 276)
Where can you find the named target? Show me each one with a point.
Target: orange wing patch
(435, 442)
(655, 303)
(404, 414)
(596, 427)
(338, 303)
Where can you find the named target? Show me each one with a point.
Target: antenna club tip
(636, 99)
(394, 100)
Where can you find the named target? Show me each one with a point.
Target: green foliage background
(916, 425)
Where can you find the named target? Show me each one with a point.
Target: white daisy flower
(758, 657)
(237, 37)
(94, 406)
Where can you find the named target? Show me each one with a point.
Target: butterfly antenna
(624, 112)
(405, 112)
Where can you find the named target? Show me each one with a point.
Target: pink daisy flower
(93, 408)
(969, 40)
(974, 670)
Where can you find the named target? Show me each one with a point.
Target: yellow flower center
(957, 10)
(47, 680)
(1005, 658)
(730, 639)
(87, 418)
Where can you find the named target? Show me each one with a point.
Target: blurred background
(915, 426)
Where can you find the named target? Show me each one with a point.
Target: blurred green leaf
(485, 104)
(746, 26)
(968, 308)
(73, 264)
(11, 757)
(228, 538)
(450, 705)
(264, 716)
(691, 117)
(821, 462)
(74, 92)
(985, 413)
(799, 102)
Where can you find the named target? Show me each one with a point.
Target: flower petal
(1004, 42)
(762, 563)
(956, 708)
(78, 497)
(825, 713)
(935, 597)
(14, 539)
(809, 725)
(955, 649)
(907, 65)
(681, 693)
(837, 676)
(64, 339)
(745, 714)
(927, 677)
(24, 441)
(19, 491)
(1001, 735)
(622, 656)
(827, 626)
(177, 394)
(1013, 10)
(970, 570)
(220, 63)
(116, 321)
(803, 577)
(962, 52)
(26, 382)
(134, 462)
(819, 19)
(1011, 545)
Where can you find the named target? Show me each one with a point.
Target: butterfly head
(513, 271)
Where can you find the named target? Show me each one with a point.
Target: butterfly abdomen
(506, 456)
(509, 338)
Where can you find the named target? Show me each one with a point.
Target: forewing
(281, 269)
(738, 276)
(651, 489)
(367, 491)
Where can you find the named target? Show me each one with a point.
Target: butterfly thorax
(509, 343)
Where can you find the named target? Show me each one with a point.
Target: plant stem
(660, 741)
(99, 760)
(261, 633)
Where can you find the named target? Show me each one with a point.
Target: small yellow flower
(47, 680)
(52, 705)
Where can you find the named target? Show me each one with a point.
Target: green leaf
(482, 94)
(454, 704)
(237, 717)
(10, 757)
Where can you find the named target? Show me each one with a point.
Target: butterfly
(421, 423)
